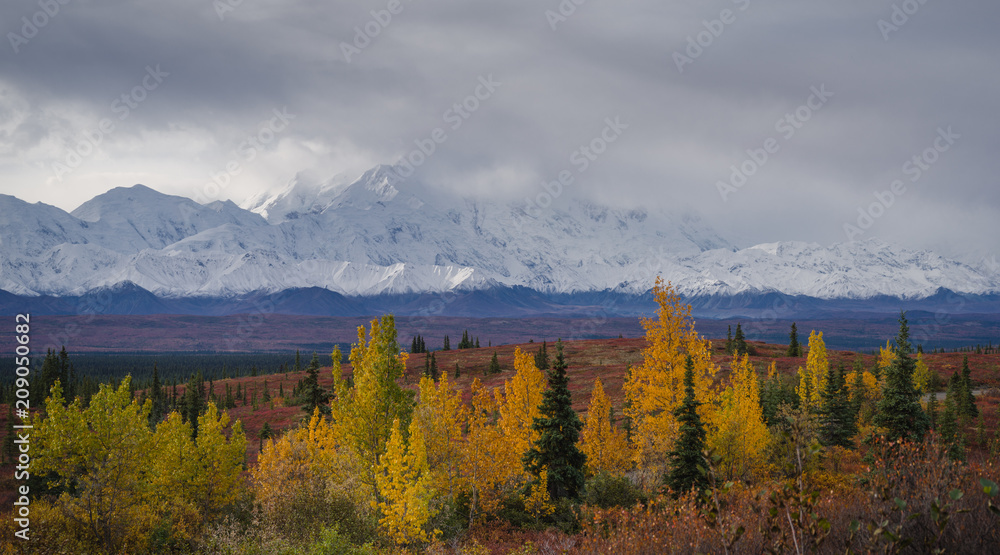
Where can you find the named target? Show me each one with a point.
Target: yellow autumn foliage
(737, 432)
(518, 407)
(362, 416)
(441, 415)
(606, 447)
(538, 503)
(655, 388)
(405, 488)
(483, 467)
(812, 379)
(922, 375)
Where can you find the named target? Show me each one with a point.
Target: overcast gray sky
(693, 85)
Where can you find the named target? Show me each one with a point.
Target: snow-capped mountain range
(381, 235)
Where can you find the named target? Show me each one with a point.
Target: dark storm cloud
(232, 63)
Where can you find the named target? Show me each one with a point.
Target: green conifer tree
(899, 410)
(688, 468)
(794, 349)
(949, 429)
(313, 395)
(193, 402)
(558, 429)
(837, 419)
(265, 433)
(966, 402)
(932, 412)
(542, 357)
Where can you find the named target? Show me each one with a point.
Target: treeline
(81, 375)
(419, 345)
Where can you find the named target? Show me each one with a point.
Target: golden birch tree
(606, 447)
(482, 462)
(101, 454)
(441, 414)
(518, 408)
(363, 415)
(737, 432)
(655, 388)
(404, 480)
(812, 379)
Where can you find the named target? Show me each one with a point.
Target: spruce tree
(739, 341)
(558, 429)
(265, 433)
(494, 364)
(688, 468)
(729, 339)
(542, 357)
(899, 410)
(477, 342)
(156, 395)
(794, 349)
(837, 416)
(949, 429)
(458, 372)
(193, 403)
(966, 402)
(775, 392)
(64, 370)
(859, 396)
(435, 374)
(313, 395)
(50, 375)
(447, 344)
(932, 415)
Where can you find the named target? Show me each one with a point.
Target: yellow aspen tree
(655, 388)
(483, 463)
(405, 484)
(606, 447)
(737, 432)
(538, 503)
(172, 468)
(812, 379)
(518, 407)
(218, 461)
(101, 453)
(886, 356)
(441, 414)
(284, 472)
(363, 415)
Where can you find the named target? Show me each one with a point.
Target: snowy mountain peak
(304, 194)
(121, 199)
(381, 234)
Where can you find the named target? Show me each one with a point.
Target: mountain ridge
(379, 236)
